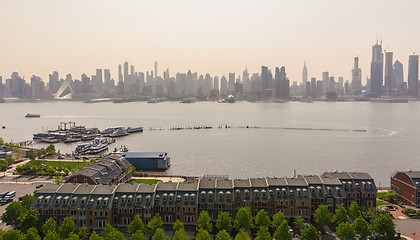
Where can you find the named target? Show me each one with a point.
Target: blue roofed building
(148, 160)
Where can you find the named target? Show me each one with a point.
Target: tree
(83, 233)
(17, 152)
(354, 211)
(49, 226)
(309, 233)
(135, 225)
(178, 225)
(115, 234)
(263, 234)
(243, 219)
(262, 219)
(31, 234)
(73, 236)
(58, 179)
(340, 215)
(3, 167)
(383, 225)
(27, 201)
(204, 222)
(12, 234)
(30, 219)
(50, 149)
(299, 223)
(9, 160)
(242, 235)
(224, 221)
(155, 223)
(159, 235)
(52, 236)
(345, 231)
(67, 226)
(180, 235)
(107, 230)
(322, 216)
(13, 213)
(361, 227)
(278, 219)
(222, 235)
(139, 235)
(202, 235)
(283, 232)
(94, 236)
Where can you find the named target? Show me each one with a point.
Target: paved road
(164, 179)
(408, 227)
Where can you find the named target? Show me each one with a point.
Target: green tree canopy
(222, 235)
(282, 232)
(52, 236)
(204, 222)
(263, 234)
(139, 235)
(135, 225)
(155, 223)
(83, 233)
(354, 211)
(178, 225)
(345, 231)
(243, 219)
(31, 234)
(67, 226)
(13, 213)
(298, 223)
(361, 227)
(322, 216)
(27, 201)
(309, 233)
(30, 220)
(73, 236)
(159, 235)
(12, 234)
(224, 221)
(49, 226)
(107, 230)
(94, 236)
(278, 219)
(383, 225)
(262, 219)
(340, 215)
(180, 235)
(202, 235)
(242, 235)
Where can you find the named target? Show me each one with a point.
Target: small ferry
(189, 100)
(90, 137)
(83, 148)
(119, 133)
(32, 115)
(49, 140)
(71, 140)
(134, 129)
(95, 149)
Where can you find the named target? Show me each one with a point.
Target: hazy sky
(216, 37)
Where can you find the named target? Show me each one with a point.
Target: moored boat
(49, 140)
(134, 129)
(119, 133)
(32, 115)
(95, 149)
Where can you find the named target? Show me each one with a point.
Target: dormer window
(74, 200)
(186, 197)
(178, 197)
(263, 193)
(284, 191)
(83, 200)
(129, 198)
(238, 193)
(228, 195)
(246, 193)
(39, 199)
(123, 198)
(47, 199)
(192, 197)
(57, 200)
(291, 192)
(105, 201)
(171, 197)
(220, 195)
(203, 195)
(91, 201)
(138, 198)
(148, 198)
(278, 192)
(299, 192)
(164, 196)
(256, 193)
(115, 199)
(271, 192)
(210, 195)
(98, 201)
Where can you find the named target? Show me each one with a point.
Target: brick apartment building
(407, 187)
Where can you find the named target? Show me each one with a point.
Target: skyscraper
(356, 77)
(413, 75)
(389, 74)
(304, 75)
(325, 80)
(223, 86)
(156, 71)
(377, 70)
(399, 74)
(125, 71)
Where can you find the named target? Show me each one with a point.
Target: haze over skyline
(214, 37)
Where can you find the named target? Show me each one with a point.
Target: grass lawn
(71, 165)
(147, 181)
(380, 203)
(381, 194)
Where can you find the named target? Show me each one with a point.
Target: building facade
(94, 206)
(407, 187)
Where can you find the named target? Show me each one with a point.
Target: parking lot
(20, 188)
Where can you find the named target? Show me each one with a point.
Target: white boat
(95, 149)
(119, 133)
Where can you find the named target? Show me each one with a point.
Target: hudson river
(391, 141)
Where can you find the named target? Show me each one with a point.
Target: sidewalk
(397, 213)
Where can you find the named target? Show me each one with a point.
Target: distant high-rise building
(304, 75)
(377, 70)
(231, 86)
(207, 85)
(356, 77)
(223, 86)
(37, 87)
(156, 70)
(216, 84)
(313, 87)
(389, 74)
(99, 75)
(331, 85)
(126, 72)
(325, 80)
(53, 83)
(413, 75)
(399, 74)
(120, 76)
(279, 85)
(265, 82)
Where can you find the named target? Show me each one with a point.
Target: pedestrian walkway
(397, 213)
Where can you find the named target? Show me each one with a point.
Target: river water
(390, 143)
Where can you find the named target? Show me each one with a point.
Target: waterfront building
(413, 75)
(112, 169)
(376, 71)
(406, 184)
(94, 206)
(148, 160)
(389, 75)
(356, 77)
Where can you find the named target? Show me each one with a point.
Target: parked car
(60, 157)
(11, 194)
(21, 198)
(39, 186)
(77, 157)
(2, 195)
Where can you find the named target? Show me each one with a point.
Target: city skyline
(212, 38)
